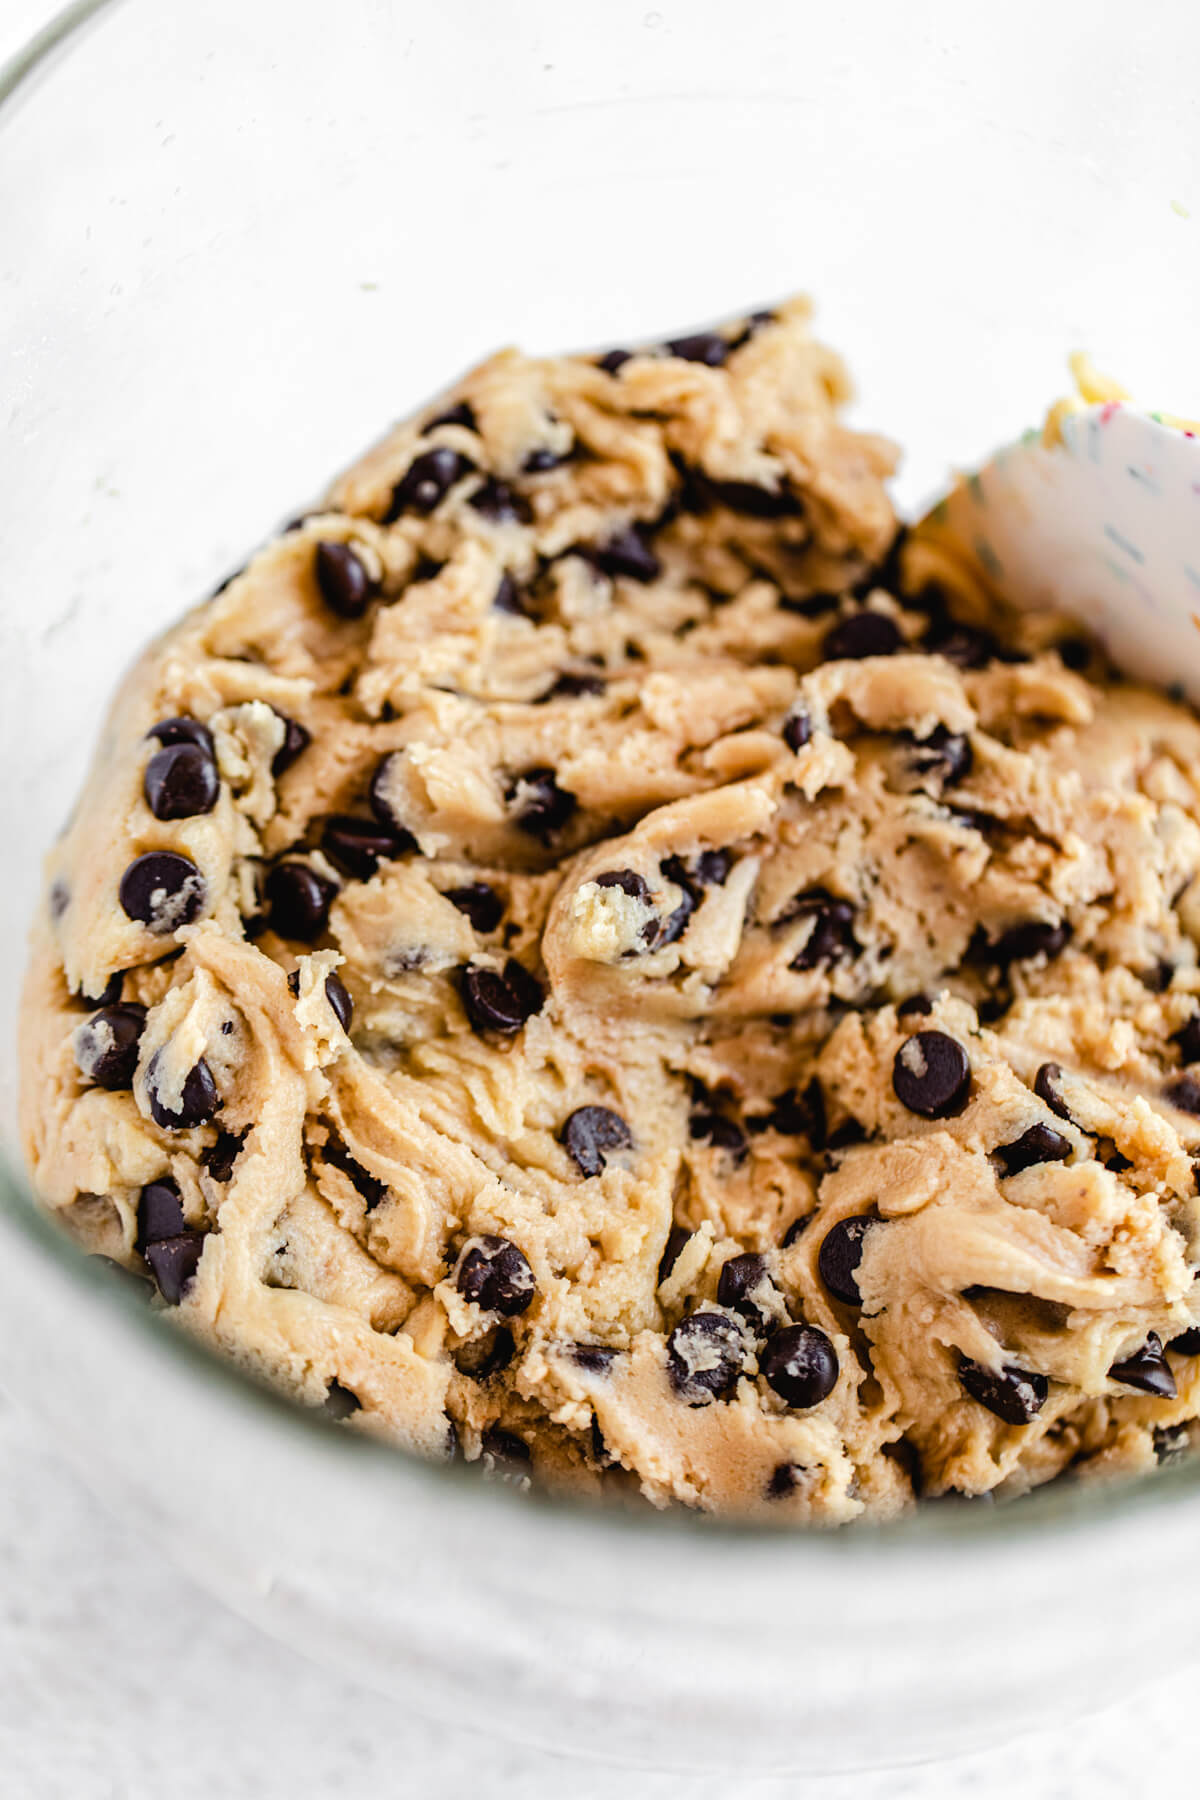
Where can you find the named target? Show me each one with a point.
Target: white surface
(117, 1679)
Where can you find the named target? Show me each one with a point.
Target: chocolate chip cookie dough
(591, 953)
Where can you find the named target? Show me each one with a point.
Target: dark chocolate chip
(809, 606)
(1159, 978)
(800, 1364)
(380, 797)
(183, 730)
(916, 1006)
(110, 993)
(756, 502)
(589, 1133)
(507, 597)
(715, 1129)
(784, 1479)
(1012, 1394)
(1076, 653)
(162, 891)
(495, 501)
(707, 347)
(797, 728)
(481, 903)
(295, 739)
(427, 481)
(862, 634)
(801, 1115)
(298, 901)
(504, 1455)
(501, 1002)
(1117, 1164)
(850, 1131)
(1187, 1343)
(1038, 937)
(343, 579)
(482, 1357)
(839, 1256)
(704, 1357)
(221, 1156)
(542, 807)
(197, 1103)
(1147, 1370)
(106, 1047)
(181, 782)
(964, 645)
(831, 938)
(425, 569)
(711, 868)
(494, 1275)
(612, 360)
(1046, 1087)
(677, 1237)
(1185, 1094)
(1188, 1039)
(460, 414)
(628, 882)
(358, 846)
(795, 1231)
(1171, 1443)
(540, 460)
(670, 929)
(740, 1276)
(173, 1262)
(946, 754)
(372, 1190)
(159, 1213)
(594, 1359)
(1040, 1144)
(340, 1402)
(931, 1075)
(341, 1005)
(627, 553)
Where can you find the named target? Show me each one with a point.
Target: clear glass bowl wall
(237, 240)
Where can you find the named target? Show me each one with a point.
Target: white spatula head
(1098, 518)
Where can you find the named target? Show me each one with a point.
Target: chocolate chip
(197, 1103)
(801, 1115)
(507, 597)
(502, 1003)
(755, 502)
(797, 728)
(809, 606)
(931, 1075)
(1185, 1094)
(542, 459)
(295, 739)
(677, 1237)
(862, 634)
(795, 1231)
(494, 1275)
(381, 796)
(850, 1131)
(715, 1129)
(704, 1357)
(1046, 1087)
(1171, 1443)
(612, 360)
(800, 1364)
(341, 1005)
(594, 1359)
(628, 882)
(1014, 1395)
(298, 901)
(740, 1277)
(839, 1256)
(1040, 1144)
(711, 868)
(159, 1213)
(340, 1402)
(672, 928)
(482, 1357)
(627, 553)
(481, 903)
(460, 414)
(1116, 1163)
(589, 1133)
(343, 579)
(571, 685)
(173, 1262)
(784, 1479)
(916, 1006)
(110, 993)
(831, 938)
(1147, 1370)
(222, 1155)
(707, 347)
(372, 1190)
(162, 891)
(1075, 652)
(1187, 1343)
(1188, 1039)
(358, 846)
(184, 730)
(505, 1456)
(947, 754)
(495, 501)
(428, 480)
(1021, 942)
(542, 807)
(964, 645)
(181, 782)
(106, 1047)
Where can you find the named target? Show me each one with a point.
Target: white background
(119, 1679)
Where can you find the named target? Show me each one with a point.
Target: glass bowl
(238, 240)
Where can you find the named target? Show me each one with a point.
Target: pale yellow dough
(1081, 807)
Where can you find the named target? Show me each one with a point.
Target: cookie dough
(594, 953)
